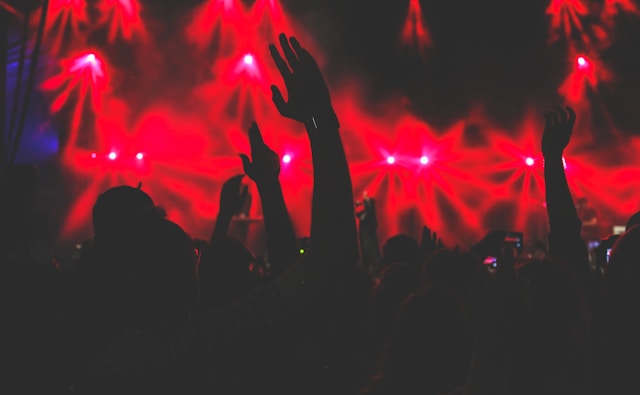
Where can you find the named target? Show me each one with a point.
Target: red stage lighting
(286, 158)
(582, 62)
(139, 156)
(391, 160)
(424, 160)
(529, 161)
(93, 155)
(113, 155)
(248, 59)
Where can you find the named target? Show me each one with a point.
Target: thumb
(278, 100)
(247, 165)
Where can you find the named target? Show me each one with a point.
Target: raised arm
(232, 198)
(565, 242)
(368, 235)
(264, 168)
(333, 228)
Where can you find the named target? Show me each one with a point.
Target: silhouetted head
(224, 273)
(120, 209)
(401, 249)
(556, 314)
(397, 282)
(451, 270)
(623, 273)
(633, 220)
(154, 283)
(430, 347)
(620, 319)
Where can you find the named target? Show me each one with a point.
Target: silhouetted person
(224, 273)
(429, 348)
(397, 282)
(401, 249)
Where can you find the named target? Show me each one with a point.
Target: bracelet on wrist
(322, 121)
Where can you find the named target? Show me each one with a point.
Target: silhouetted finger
(278, 100)
(235, 180)
(562, 114)
(282, 66)
(291, 57)
(246, 164)
(255, 138)
(554, 117)
(300, 52)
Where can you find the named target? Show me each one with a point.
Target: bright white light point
(139, 156)
(391, 160)
(582, 61)
(93, 155)
(91, 58)
(529, 161)
(424, 160)
(113, 155)
(286, 158)
(248, 59)
(564, 163)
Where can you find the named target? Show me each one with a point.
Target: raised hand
(264, 166)
(233, 196)
(557, 131)
(430, 242)
(308, 98)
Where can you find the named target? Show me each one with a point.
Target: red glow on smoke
(64, 16)
(566, 18)
(415, 32)
(123, 19)
(80, 84)
(587, 73)
(189, 144)
(216, 19)
(613, 7)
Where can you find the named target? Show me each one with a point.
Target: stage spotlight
(91, 58)
(93, 155)
(248, 59)
(391, 160)
(139, 156)
(113, 155)
(529, 161)
(286, 158)
(582, 62)
(424, 160)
